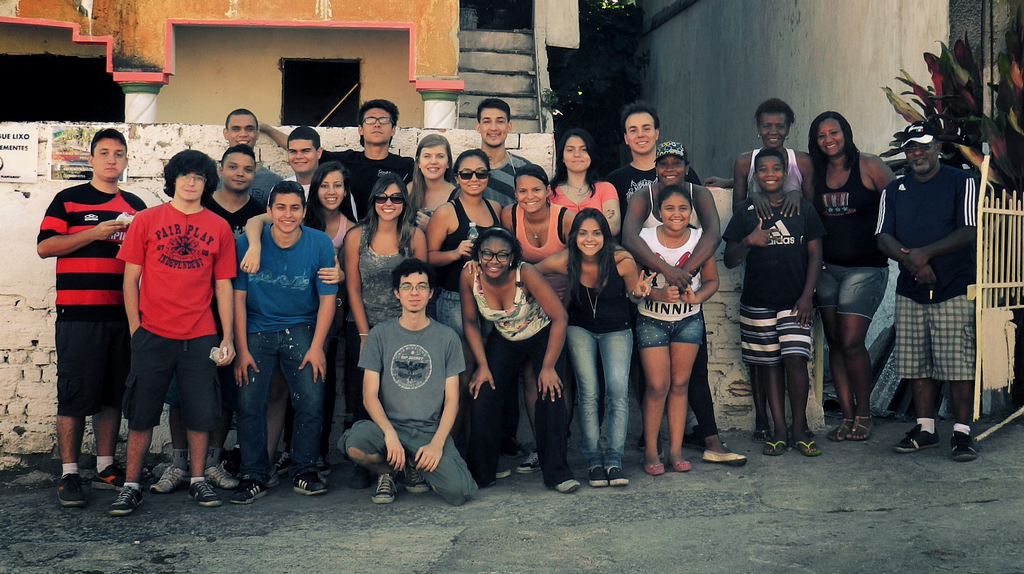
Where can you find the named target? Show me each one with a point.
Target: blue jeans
(285, 348)
(616, 350)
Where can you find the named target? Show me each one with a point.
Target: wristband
(364, 334)
(746, 242)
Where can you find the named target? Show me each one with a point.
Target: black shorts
(93, 361)
(155, 360)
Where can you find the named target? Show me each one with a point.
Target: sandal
(861, 429)
(841, 432)
(656, 469)
(681, 466)
(776, 448)
(761, 435)
(807, 448)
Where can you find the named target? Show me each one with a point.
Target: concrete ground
(857, 508)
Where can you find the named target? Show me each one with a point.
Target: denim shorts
(449, 312)
(658, 333)
(854, 290)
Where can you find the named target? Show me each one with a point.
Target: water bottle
(473, 233)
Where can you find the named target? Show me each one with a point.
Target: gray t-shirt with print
(413, 366)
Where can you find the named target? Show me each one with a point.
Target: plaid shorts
(935, 341)
(767, 335)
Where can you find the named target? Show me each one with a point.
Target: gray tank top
(379, 301)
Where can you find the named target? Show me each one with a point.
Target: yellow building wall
(27, 40)
(139, 26)
(219, 69)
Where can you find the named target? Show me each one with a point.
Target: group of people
(427, 287)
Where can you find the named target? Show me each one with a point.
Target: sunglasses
(466, 174)
(396, 199)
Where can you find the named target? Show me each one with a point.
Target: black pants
(505, 359)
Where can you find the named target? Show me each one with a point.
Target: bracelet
(364, 334)
(746, 242)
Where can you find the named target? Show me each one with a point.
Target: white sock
(134, 486)
(213, 456)
(962, 428)
(71, 468)
(179, 458)
(927, 425)
(196, 479)
(102, 462)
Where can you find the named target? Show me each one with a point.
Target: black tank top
(448, 275)
(849, 215)
(602, 312)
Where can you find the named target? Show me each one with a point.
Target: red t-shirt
(181, 256)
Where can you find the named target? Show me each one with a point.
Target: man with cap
(927, 223)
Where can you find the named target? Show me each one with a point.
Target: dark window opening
(61, 89)
(312, 89)
(506, 15)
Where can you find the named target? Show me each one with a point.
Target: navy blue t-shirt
(919, 214)
(776, 273)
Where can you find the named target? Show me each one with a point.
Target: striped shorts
(767, 335)
(935, 340)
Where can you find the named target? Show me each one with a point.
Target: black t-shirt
(776, 273)
(364, 172)
(628, 179)
(919, 214)
(238, 219)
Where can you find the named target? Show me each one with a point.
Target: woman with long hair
(530, 323)
(383, 239)
(847, 187)
(576, 184)
(603, 281)
(433, 179)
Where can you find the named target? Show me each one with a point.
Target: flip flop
(807, 448)
(776, 448)
(681, 466)
(761, 435)
(656, 469)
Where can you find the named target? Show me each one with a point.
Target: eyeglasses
(384, 121)
(193, 178)
(500, 257)
(409, 287)
(396, 199)
(481, 174)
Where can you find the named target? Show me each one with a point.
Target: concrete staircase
(501, 65)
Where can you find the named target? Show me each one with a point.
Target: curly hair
(191, 161)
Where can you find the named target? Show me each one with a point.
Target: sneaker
(963, 447)
(309, 483)
(248, 490)
(128, 499)
(284, 460)
(385, 493)
(510, 447)
(567, 486)
(203, 493)
(172, 479)
(916, 440)
(616, 477)
(597, 477)
(69, 491)
(503, 473)
(360, 478)
(530, 464)
(322, 467)
(414, 481)
(273, 480)
(219, 477)
(112, 478)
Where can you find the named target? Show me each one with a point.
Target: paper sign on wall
(19, 153)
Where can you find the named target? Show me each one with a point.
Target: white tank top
(794, 179)
(677, 256)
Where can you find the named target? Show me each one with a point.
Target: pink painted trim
(162, 76)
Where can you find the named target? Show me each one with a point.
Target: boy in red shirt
(175, 256)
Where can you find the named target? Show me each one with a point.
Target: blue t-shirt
(919, 214)
(286, 291)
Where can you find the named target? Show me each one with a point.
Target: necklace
(593, 302)
(532, 230)
(575, 190)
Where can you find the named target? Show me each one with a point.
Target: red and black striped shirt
(89, 280)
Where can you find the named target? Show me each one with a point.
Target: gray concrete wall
(28, 404)
(714, 62)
